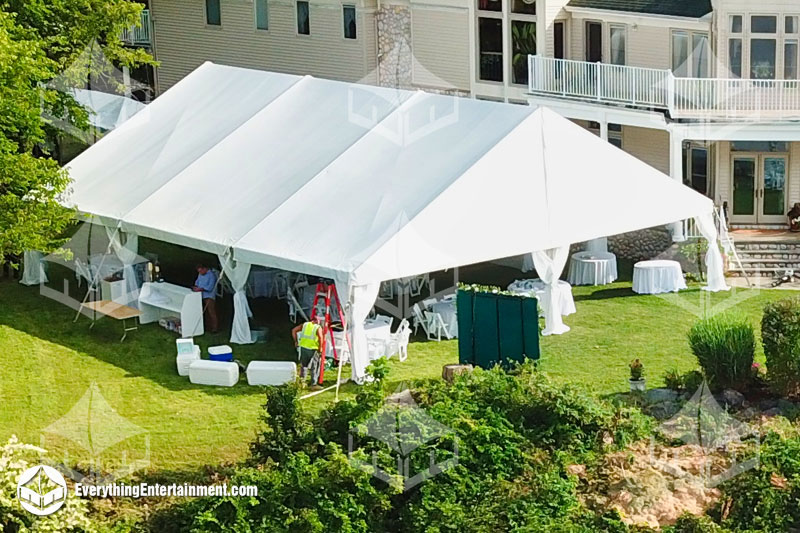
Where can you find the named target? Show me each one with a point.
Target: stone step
(759, 247)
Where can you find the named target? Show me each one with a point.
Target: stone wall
(640, 245)
(394, 46)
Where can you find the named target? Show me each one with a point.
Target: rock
(775, 411)
(731, 399)
(661, 395)
(767, 404)
(577, 470)
(664, 410)
(449, 372)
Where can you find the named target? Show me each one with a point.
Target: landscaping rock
(730, 399)
(664, 410)
(767, 404)
(449, 372)
(775, 411)
(661, 395)
(640, 245)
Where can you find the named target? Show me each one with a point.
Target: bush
(689, 381)
(724, 346)
(15, 458)
(780, 334)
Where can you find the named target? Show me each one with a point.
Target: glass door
(744, 188)
(772, 205)
(759, 188)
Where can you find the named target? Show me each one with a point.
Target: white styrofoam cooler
(271, 372)
(220, 373)
(183, 360)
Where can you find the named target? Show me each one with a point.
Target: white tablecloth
(592, 268)
(656, 277)
(536, 287)
(447, 309)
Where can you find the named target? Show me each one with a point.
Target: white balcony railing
(691, 98)
(139, 35)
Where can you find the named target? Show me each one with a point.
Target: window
(594, 42)
(349, 17)
(490, 5)
(525, 7)
(759, 146)
(558, 40)
(763, 59)
(791, 25)
(490, 42)
(523, 44)
(696, 175)
(680, 54)
(614, 133)
(736, 24)
(762, 24)
(700, 55)
(213, 13)
(303, 18)
(262, 15)
(790, 60)
(735, 57)
(617, 45)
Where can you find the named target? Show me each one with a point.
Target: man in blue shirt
(207, 284)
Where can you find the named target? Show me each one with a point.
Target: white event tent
(363, 184)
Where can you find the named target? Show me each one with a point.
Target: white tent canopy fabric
(362, 184)
(106, 110)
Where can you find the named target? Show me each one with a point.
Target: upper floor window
(262, 14)
(490, 49)
(213, 13)
(736, 24)
(763, 24)
(523, 44)
(490, 5)
(618, 44)
(690, 54)
(523, 7)
(763, 47)
(349, 18)
(790, 25)
(303, 18)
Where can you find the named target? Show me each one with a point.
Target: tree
(39, 41)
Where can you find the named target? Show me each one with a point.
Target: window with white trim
(261, 14)
(303, 18)
(618, 37)
(349, 20)
(690, 54)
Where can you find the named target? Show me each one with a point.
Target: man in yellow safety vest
(308, 340)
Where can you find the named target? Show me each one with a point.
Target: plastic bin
(220, 353)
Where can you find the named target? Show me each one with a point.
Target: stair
(764, 258)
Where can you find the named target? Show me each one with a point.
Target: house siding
(440, 44)
(183, 41)
(649, 145)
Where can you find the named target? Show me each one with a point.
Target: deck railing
(141, 34)
(691, 98)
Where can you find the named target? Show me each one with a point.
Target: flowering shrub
(15, 458)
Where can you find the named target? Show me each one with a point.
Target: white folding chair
(280, 285)
(386, 291)
(377, 349)
(385, 319)
(428, 303)
(436, 326)
(398, 343)
(419, 319)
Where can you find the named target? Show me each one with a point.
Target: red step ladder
(327, 292)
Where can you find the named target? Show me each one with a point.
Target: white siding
(183, 41)
(440, 44)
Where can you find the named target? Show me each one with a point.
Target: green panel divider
(464, 305)
(530, 332)
(486, 337)
(510, 327)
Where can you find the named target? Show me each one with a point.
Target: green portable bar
(530, 332)
(510, 327)
(464, 301)
(486, 341)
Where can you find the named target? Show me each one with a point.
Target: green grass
(48, 363)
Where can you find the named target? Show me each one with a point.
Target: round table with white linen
(592, 268)
(536, 288)
(657, 277)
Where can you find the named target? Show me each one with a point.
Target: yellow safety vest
(308, 336)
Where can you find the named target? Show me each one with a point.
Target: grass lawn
(49, 363)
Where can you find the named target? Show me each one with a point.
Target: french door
(759, 188)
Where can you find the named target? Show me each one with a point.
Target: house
(703, 90)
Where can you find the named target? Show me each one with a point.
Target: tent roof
(339, 179)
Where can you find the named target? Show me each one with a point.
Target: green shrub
(724, 346)
(688, 523)
(780, 334)
(688, 381)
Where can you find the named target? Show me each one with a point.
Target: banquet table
(536, 288)
(657, 277)
(446, 308)
(592, 268)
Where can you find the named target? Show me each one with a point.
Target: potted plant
(637, 380)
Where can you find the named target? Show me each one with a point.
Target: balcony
(140, 35)
(646, 88)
